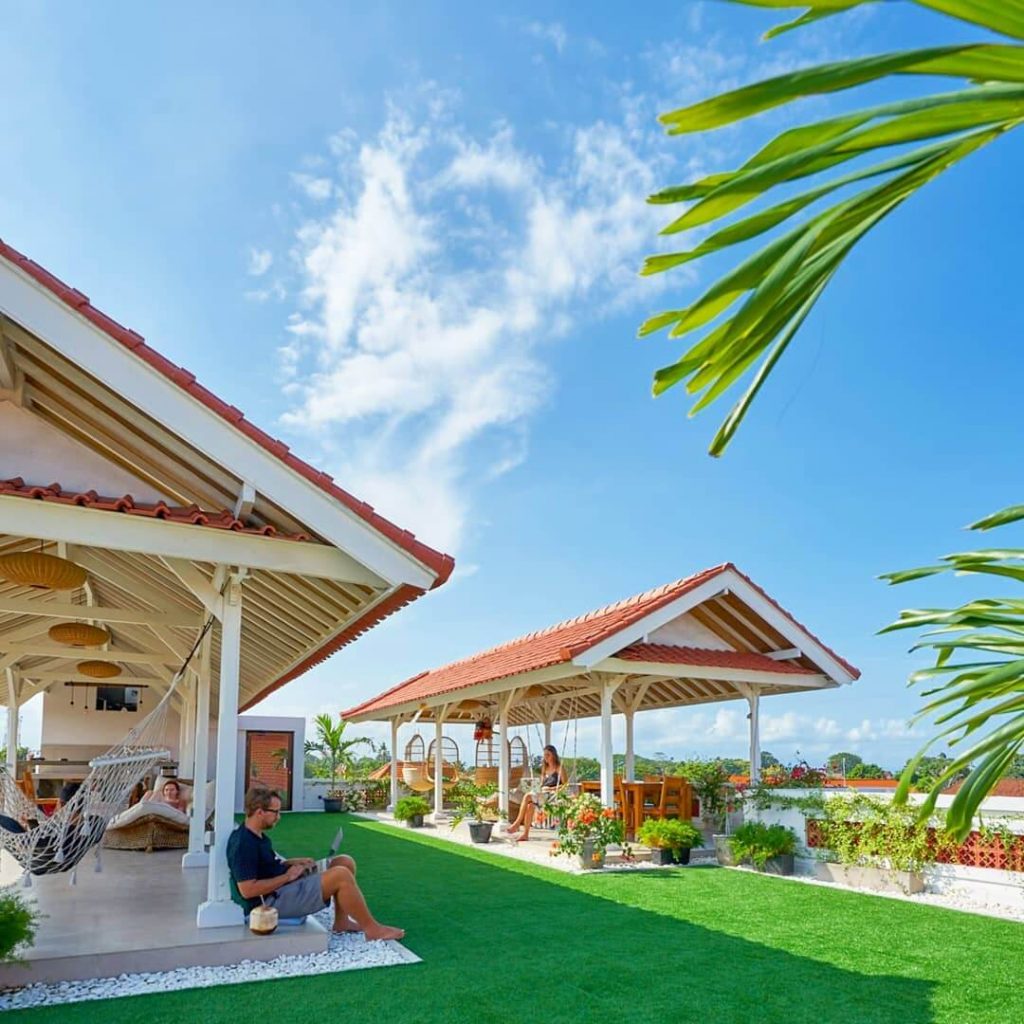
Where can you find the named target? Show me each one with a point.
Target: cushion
(149, 809)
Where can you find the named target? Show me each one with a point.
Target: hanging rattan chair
(485, 772)
(414, 766)
(449, 762)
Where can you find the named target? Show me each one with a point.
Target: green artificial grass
(507, 941)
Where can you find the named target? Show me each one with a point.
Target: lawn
(504, 941)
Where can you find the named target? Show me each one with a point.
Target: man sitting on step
(294, 887)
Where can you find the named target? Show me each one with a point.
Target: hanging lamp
(99, 669)
(78, 634)
(41, 571)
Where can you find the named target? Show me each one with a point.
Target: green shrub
(668, 834)
(409, 806)
(471, 801)
(757, 842)
(17, 926)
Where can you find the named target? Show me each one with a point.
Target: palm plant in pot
(411, 810)
(670, 839)
(333, 754)
(770, 848)
(473, 802)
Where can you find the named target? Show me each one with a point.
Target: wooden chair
(676, 799)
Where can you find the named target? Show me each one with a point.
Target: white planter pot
(871, 879)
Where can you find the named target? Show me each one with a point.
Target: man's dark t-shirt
(252, 858)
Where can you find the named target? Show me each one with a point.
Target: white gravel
(349, 952)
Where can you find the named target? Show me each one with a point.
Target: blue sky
(404, 238)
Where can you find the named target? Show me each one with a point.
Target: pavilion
(713, 636)
(177, 508)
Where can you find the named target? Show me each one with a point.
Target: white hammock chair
(57, 843)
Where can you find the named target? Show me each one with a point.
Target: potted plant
(670, 839)
(332, 756)
(471, 802)
(411, 809)
(585, 828)
(769, 848)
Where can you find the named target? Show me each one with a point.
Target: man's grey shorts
(298, 898)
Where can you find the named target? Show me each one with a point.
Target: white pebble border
(348, 952)
(946, 900)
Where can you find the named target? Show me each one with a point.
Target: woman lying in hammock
(552, 779)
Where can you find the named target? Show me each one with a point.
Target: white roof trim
(37, 310)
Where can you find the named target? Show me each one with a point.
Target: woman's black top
(550, 781)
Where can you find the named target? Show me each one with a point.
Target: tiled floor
(139, 914)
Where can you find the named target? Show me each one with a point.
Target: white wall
(41, 454)
(686, 631)
(984, 884)
(67, 725)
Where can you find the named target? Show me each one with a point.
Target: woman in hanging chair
(551, 781)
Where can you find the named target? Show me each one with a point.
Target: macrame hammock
(56, 844)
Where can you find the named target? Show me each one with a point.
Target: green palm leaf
(788, 269)
(754, 311)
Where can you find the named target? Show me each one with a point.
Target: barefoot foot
(377, 932)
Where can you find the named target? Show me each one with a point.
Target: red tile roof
(551, 646)
(563, 642)
(437, 562)
(191, 514)
(669, 654)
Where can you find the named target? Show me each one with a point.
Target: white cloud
(881, 729)
(429, 286)
(550, 32)
(260, 261)
(317, 188)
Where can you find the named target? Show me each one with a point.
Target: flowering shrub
(800, 775)
(582, 819)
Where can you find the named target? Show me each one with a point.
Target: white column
(197, 857)
(503, 756)
(12, 723)
(754, 700)
(438, 768)
(628, 768)
(607, 766)
(394, 764)
(547, 736)
(219, 910)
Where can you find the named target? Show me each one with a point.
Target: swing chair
(417, 767)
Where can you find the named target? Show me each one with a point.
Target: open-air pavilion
(174, 508)
(713, 636)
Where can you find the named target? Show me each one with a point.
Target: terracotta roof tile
(440, 564)
(562, 642)
(192, 515)
(551, 646)
(669, 654)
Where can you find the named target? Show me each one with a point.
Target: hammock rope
(56, 844)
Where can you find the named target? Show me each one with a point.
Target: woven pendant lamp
(78, 634)
(99, 669)
(45, 572)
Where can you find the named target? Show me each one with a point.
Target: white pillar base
(440, 817)
(195, 859)
(219, 914)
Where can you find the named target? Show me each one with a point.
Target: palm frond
(777, 286)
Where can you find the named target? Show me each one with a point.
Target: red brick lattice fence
(976, 851)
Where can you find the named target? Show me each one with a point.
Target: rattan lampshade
(78, 634)
(47, 572)
(99, 669)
